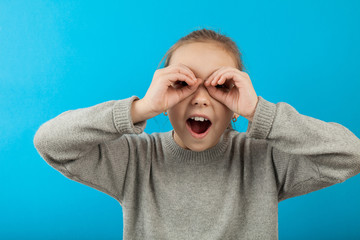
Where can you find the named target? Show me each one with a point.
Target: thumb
(217, 93)
(194, 87)
(190, 89)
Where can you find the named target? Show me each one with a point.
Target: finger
(217, 94)
(185, 70)
(222, 79)
(218, 75)
(192, 87)
(192, 74)
(226, 76)
(243, 76)
(175, 70)
(222, 71)
(174, 77)
(185, 91)
(232, 79)
(212, 76)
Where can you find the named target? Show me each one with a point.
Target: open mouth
(198, 126)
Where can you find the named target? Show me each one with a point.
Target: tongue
(198, 126)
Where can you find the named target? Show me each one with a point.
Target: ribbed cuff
(122, 117)
(263, 119)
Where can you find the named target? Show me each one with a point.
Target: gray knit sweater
(230, 191)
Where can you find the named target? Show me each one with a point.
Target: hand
(169, 86)
(234, 89)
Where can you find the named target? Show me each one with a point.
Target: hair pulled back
(208, 36)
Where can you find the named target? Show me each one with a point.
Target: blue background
(62, 55)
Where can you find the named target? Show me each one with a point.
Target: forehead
(202, 58)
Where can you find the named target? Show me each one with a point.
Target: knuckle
(245, 74)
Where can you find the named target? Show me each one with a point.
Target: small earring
(234, 119)
(165, 113)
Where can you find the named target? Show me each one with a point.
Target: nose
(201, 96)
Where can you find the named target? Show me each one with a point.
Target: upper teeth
(199, 119)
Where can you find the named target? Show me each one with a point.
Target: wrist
(251, 117)
(140, 111)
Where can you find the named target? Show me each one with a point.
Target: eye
(180, 84)
(184, 84)
(223, 87)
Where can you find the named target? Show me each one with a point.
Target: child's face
(203, 59)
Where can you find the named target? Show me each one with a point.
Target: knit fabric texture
(230, 191)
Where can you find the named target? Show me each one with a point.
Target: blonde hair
(207, 36)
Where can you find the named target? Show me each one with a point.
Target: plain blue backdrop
(62, 55)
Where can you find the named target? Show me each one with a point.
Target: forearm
(72, 133)
(331, 146)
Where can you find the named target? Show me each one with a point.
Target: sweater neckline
(188, 156)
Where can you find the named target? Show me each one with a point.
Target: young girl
(203, 179)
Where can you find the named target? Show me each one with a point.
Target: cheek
(224, 118)
(173, 111)
(174, 115)
(178, 110)
(226, 113)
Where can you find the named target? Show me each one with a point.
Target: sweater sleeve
(308, 154)
(76, 143)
